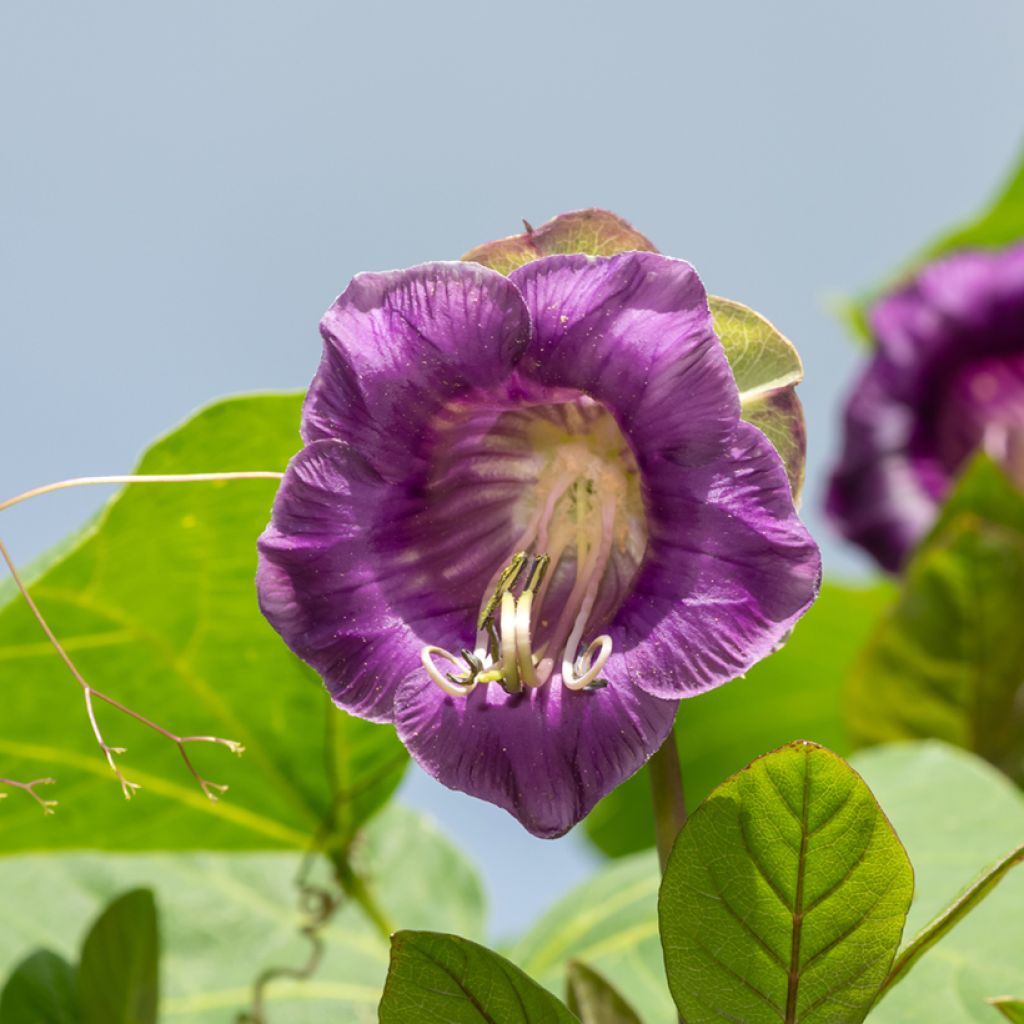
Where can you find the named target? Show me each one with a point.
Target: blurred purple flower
(528, 520)
(946, 380)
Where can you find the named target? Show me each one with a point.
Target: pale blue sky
(185, 186)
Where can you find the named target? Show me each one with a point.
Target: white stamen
(524, 645)
(452, 689)
(509, 663)
(591, 672)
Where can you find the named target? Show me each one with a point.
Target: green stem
(668, 795)
(355, 888)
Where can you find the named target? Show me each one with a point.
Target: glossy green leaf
(946, 662)
(593, 999)
(595, 232)
(435, 977)
(957, 816)
(1012, 1009)
(609, 923)
(785, 895)
(40, 990)
(227, 916)
(796, 692)
(118, 979)
(767, 369)
(156, 604)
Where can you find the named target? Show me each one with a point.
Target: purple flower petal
(547, 756)
(730, 569)
(318, 580)
(399, 346)
(634, 332)
(907, 426)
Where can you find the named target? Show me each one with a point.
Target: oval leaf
(117, 977)
(40, 990)
(785, 895)
(591, 997)
(435, 977)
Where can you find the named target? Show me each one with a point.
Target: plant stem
(668, 795)
(356, 889)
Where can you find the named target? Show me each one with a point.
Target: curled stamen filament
(451, 688)
(590, 671)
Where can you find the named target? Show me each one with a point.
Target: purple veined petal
(318, 579)
(399, 346)
(546, 756)
(945, 339)
(634, 332)
(730, 569)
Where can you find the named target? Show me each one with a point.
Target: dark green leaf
(156, 604)
(118, 974)
(795, 692)
(225, 917)
(956, 815)
(785, 895)
(443, 979)
(946, 662)
(593, 999)
(40, 990)
(1012, 1009)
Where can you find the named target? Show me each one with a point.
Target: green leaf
(956, 815)
(946, 662)
(593, 999)
(118, 975)
(435, 977)
(157, 606)
(610, 923)
(40, 990)
(227, 916)
(595, 232)
(767, 369)
(795, 692)
(985, 492)
(1012, 1009)
(785, 895)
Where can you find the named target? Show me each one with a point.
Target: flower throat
(544, 599)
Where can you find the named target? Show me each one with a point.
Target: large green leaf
(118, 978)
(785, 895)
(796, 692)
(227, 916)
(40, 990)
(436, 978)
(610, 924)
(593, 999)
(957, 816)
(948, 662)
(156, 604)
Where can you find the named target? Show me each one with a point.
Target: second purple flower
(528, 520)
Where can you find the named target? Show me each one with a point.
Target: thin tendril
(213, 790)
(145, 478)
